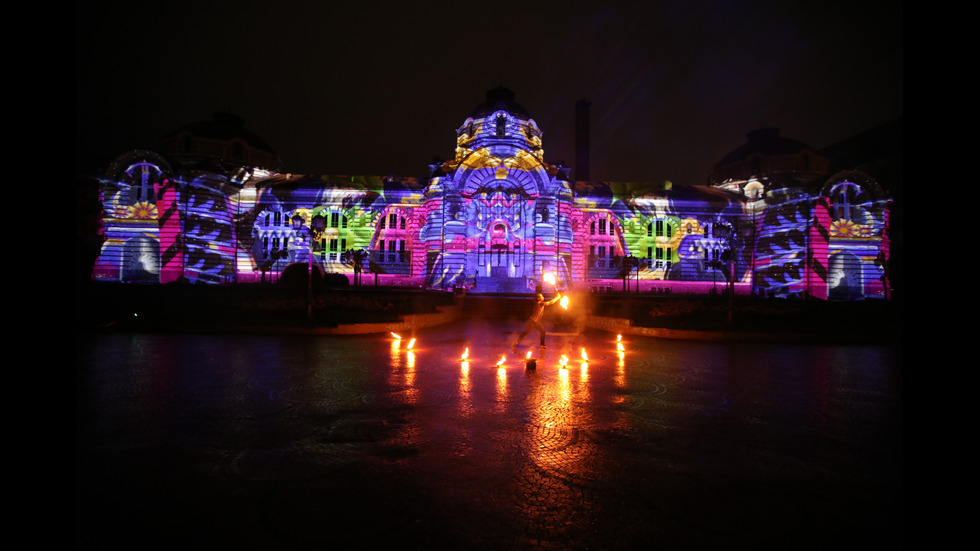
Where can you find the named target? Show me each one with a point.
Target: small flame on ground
(466, 354)
(396, 335)
(584, 355)
(564, 360)
(528, 356)
(502, 359)
(411, 343)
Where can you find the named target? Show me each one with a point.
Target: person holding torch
(534, 322)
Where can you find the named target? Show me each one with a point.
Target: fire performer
(534, 322)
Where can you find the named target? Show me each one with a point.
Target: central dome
(498, 132)
(499, 99)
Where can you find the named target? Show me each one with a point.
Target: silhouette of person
(534, 322)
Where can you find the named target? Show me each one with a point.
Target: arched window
(660, 228)
(845, 200)
(604, 248)
(143, 180)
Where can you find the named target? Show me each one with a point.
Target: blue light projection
(494, 218)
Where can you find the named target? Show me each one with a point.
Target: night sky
(363, 89)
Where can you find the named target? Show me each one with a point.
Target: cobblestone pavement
(359, 443)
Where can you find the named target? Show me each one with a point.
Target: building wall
(495, 219)
(162, 226)
(216, 231)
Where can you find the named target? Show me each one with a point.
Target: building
(496, 218)
(811, 232)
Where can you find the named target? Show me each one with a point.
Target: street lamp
(317, 224)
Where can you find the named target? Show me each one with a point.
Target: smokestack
(582, 140)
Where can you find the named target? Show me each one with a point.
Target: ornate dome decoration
(501, 138)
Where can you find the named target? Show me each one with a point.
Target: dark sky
(365, 89)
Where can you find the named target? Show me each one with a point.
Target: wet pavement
(360, 443)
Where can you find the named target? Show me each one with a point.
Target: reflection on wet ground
(373, 442)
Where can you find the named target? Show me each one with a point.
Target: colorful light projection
(495, 218)
(488, 234)
(198, 239)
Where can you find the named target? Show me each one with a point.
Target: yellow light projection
(480, 158)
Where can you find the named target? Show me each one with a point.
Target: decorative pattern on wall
(496, 218)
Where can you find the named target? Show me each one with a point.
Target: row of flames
(562, 362)
(411, 343)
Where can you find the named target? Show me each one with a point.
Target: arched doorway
(498, 252)
(845, 279)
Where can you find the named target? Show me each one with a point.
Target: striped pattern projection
(171, 242)
(817, 272)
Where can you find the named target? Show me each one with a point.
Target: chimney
(582, 140)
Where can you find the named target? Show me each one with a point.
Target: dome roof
(225, 127)
(499, 99)
(766, 142)
(767, 155)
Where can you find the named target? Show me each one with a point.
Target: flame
(528, 356)
(564, 360)
(584, 355)
(549, 278)
(411, 343)
(619, 338)
(564, 302)
(502, 359)
(466, 354)
(396, 335)
(619, 346)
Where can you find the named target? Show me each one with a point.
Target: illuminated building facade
(494, 218)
